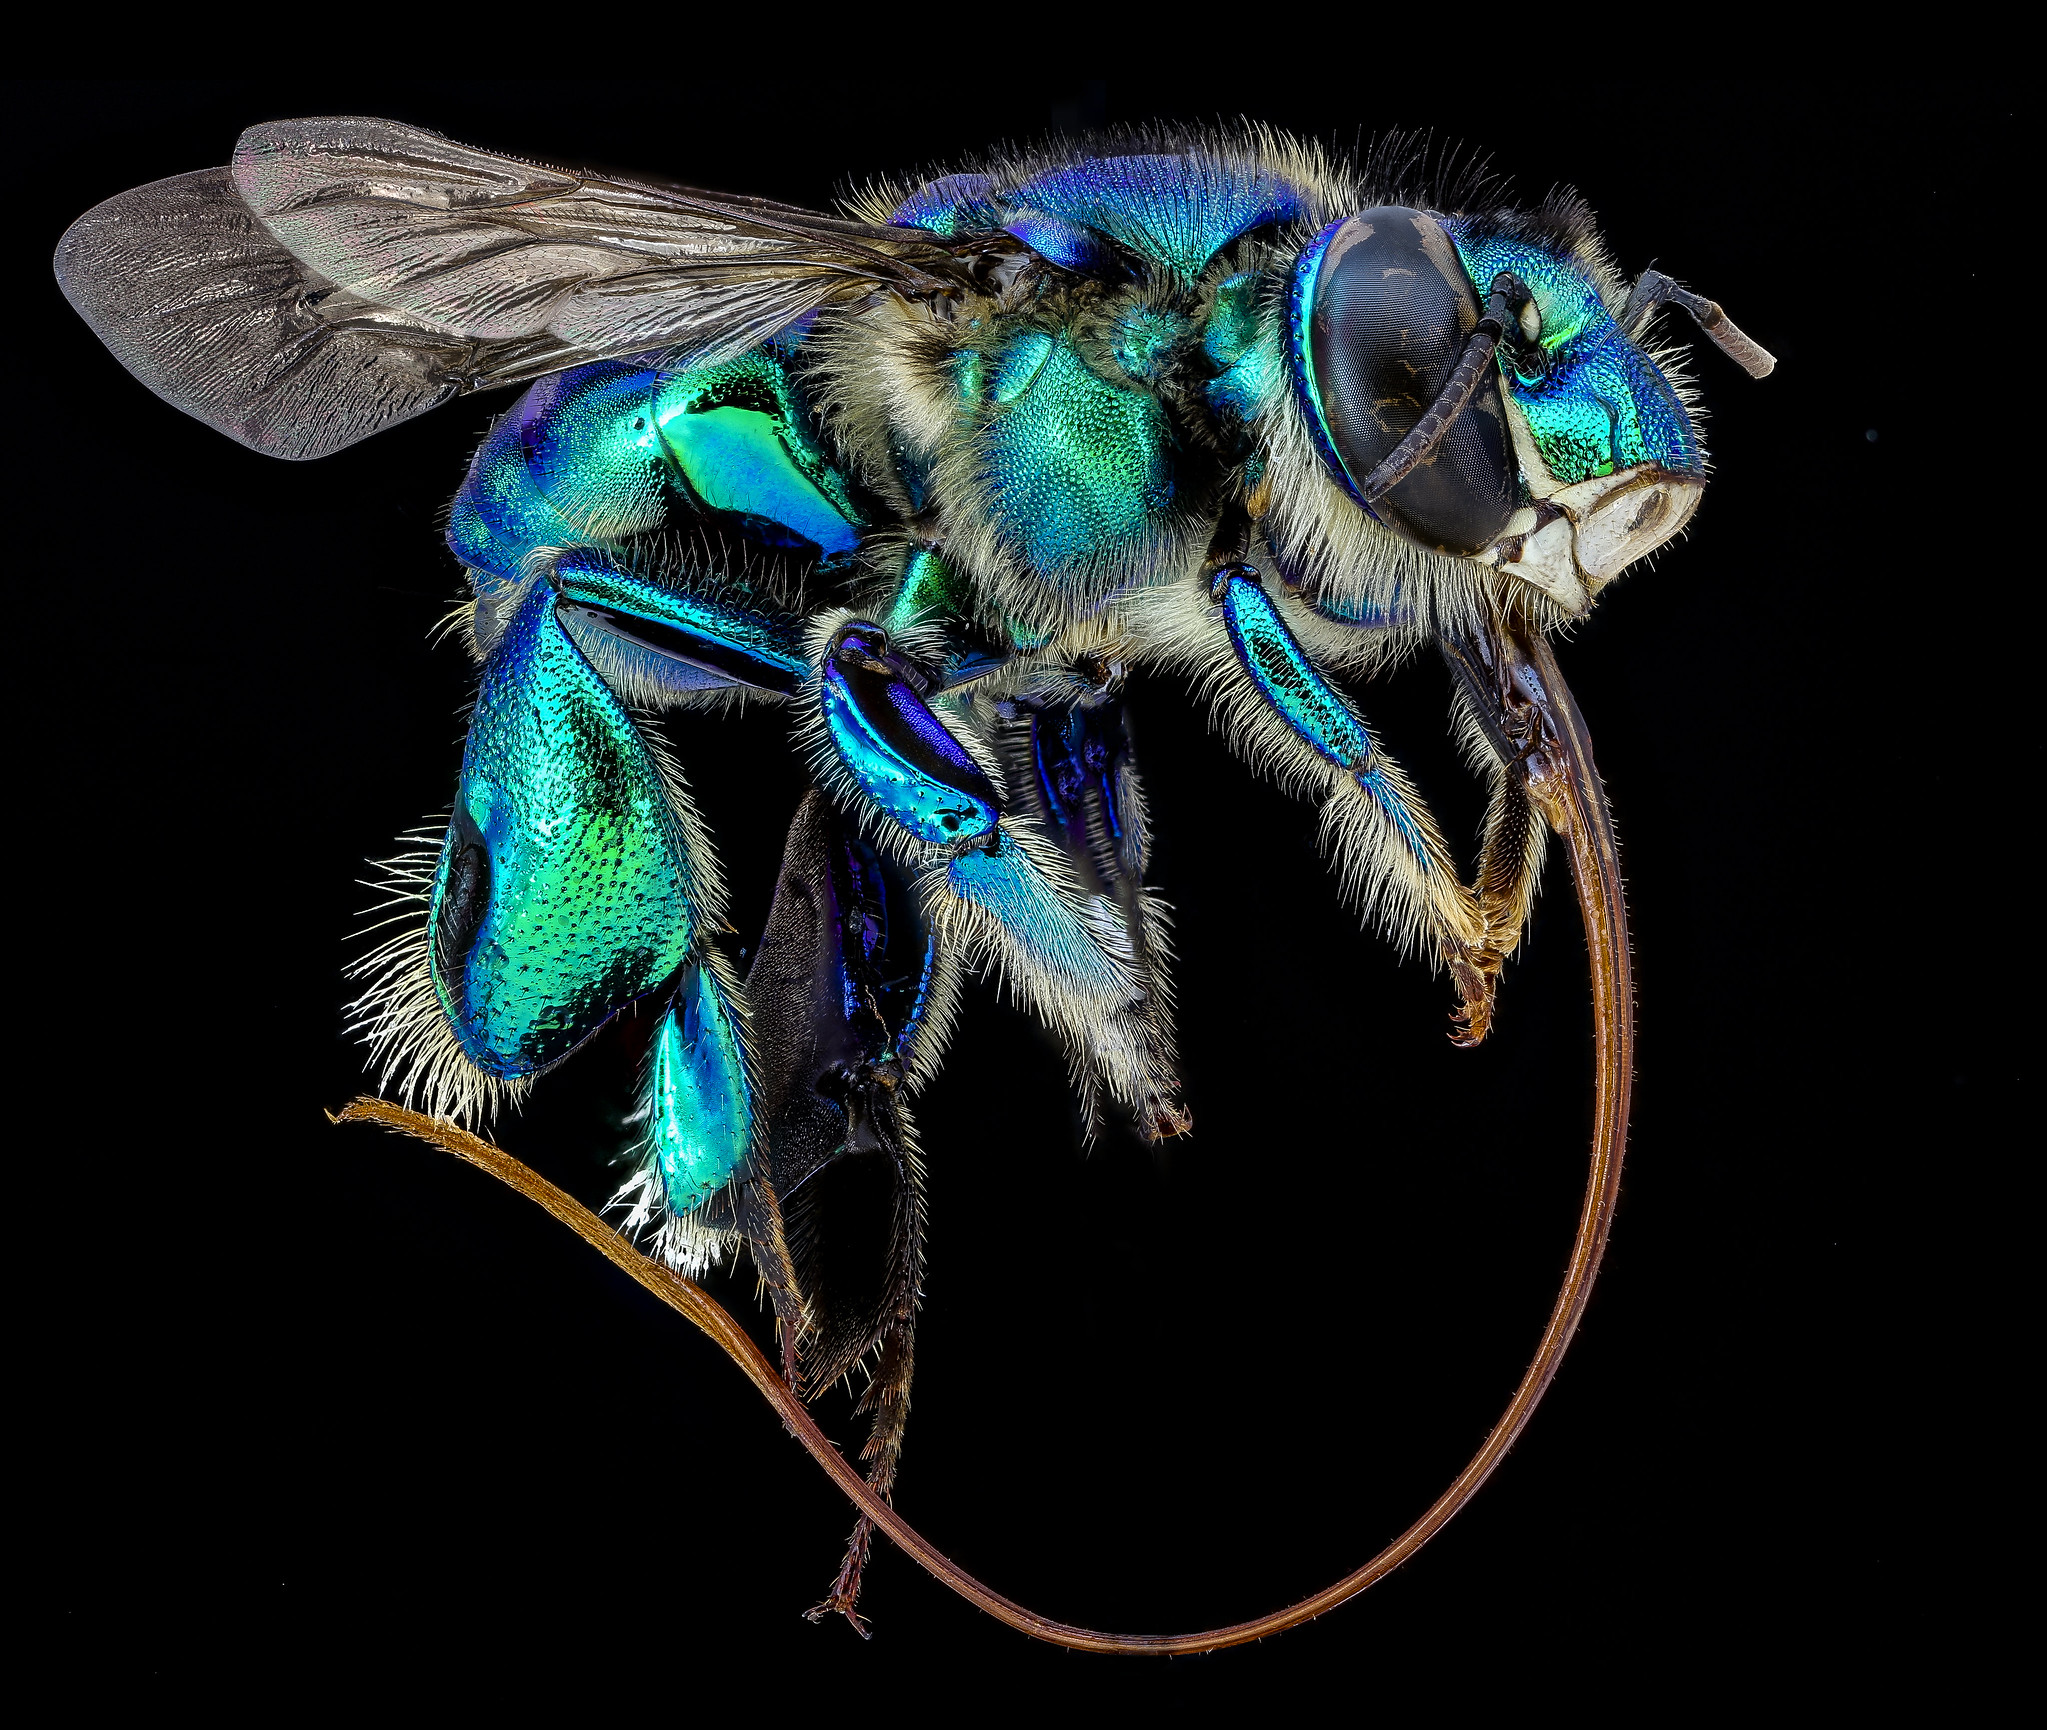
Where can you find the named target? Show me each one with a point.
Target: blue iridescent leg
(657, 641)
(1066, 747)
(1284, 715)
(1001, 893)
(1060, 733)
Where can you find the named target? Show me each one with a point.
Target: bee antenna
(1508, 293)
(1653, 289)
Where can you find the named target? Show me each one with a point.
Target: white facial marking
(1631, 520)
(1608, 523)
(1546, 561)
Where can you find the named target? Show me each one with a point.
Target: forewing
(345, 274)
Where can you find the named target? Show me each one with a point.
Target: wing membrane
(197, 300)
(343, 275)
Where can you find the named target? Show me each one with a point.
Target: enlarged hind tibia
(843, 993)
(572, 883)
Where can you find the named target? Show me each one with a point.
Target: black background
(316, 1411)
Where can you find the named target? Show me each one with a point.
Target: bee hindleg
(701, 1166)
(522, 949)
(887, 1398)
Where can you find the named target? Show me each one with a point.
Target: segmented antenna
(1653, 289)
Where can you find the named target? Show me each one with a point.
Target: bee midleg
(1066, 748)
(849, 997)
(1283, 715)
(918, 768)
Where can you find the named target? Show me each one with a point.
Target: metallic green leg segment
(564, 889)
(699, 1107)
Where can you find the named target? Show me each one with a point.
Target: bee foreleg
(1280, 712)
(1500, 727)
(1509, 872)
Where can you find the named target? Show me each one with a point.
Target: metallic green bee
(933, 473)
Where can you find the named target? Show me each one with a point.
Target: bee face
(1574, 457)
(1593, 402)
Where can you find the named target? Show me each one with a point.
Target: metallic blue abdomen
(598, 454)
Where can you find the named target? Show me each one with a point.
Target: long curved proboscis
(1565, 786)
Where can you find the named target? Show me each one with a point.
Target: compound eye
(1382, 311)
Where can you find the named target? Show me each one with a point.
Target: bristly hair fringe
(414, 1053)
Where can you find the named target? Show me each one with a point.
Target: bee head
(1469, 385)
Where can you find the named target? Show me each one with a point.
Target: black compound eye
(1382, 311)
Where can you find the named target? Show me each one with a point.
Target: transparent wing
(343, 275)
(197, 300)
